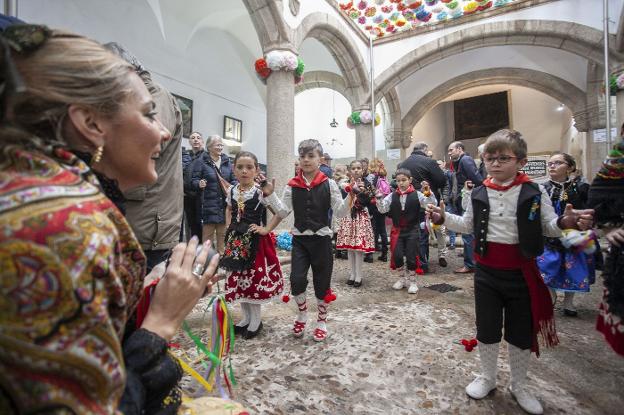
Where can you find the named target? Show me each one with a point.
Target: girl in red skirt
(255, 275)
(355, 233)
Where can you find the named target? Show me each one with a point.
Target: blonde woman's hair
(66, 69)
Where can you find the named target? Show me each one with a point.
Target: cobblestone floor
(390, 352)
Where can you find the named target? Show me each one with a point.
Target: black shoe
(251, 334)
(240, 329)
(368, 257)
(357, 284)
(350, 282)
(570, 313)
(383, 257)
(442, 262)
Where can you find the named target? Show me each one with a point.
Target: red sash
(299, 180)
(520, 179)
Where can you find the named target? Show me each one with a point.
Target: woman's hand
(202, 183)
(179, 290)
(425, 187)
(260, 230)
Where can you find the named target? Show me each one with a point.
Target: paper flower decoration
(452, 4)
(469, 344)
(619, 81)
(370, 12)
(377, 119)
(362, 117)
(431, 2)
(362, 5)
(471, 7)
(366, 117)
(484, 5)
(284, 241)
(423, 15)
(346, 6)
(279, 60)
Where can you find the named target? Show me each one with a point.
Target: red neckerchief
(407, 191)
(520, 179)
(299, 180)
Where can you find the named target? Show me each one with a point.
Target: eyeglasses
(504, 159)
(555, 163)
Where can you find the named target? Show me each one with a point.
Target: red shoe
(464, 270)
(299, 328)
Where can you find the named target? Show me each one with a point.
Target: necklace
(241, 201)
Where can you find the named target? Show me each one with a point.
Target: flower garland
(279, 60)
(362, 117)
(284, 240)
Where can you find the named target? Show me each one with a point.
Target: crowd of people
(96, 283)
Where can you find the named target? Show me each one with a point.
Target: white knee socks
(303, 307)
(246, 314)
(322, 314)
(256, 316)
(359, 260)
(568, 301)
(489, 357)
(518, 365)
(351, 256)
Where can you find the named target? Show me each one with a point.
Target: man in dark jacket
(422, 168)
(193, 161)
(465, 169)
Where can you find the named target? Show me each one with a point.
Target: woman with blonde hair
(77, 124)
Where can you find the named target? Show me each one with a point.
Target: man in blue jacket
(465, 169)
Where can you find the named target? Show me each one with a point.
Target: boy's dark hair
(246, 154)
(506, 139)
(567, 158)
(404, 172)
(310, 145)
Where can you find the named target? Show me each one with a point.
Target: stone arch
(326, 79)
(572, 37)
(333, 35)
(563, 91)
(272, 30)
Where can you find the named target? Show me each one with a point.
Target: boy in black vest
(404, 206)
(311, 195)
(508, 215)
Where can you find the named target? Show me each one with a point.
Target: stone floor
(390, 352)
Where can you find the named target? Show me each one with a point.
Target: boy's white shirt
(383, 205)
(503, 219)
(339, 206)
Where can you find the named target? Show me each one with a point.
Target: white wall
(436, 128)
(207, 65)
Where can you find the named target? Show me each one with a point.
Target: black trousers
(502, 297)
(316, 252)
(378, 221)
(192, 214)
(407, 246)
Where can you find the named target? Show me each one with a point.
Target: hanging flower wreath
(279, 60)
(362, 117)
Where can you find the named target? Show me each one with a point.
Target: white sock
(359, 260)
(518, 365)
(553, 296)
(568, 301)
(351, 256)
(489, 356)
(303, 307)
(256, 317)
(321, 321)
(246, 315)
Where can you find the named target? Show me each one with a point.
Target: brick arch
(332, 33)
(563, 91)
(572, 37)
(326, 79)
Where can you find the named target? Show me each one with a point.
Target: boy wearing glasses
(508, 215)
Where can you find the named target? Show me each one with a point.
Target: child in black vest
(508, 215)
(404, 206)
(355, 233)
(255, 275)
(310, 195)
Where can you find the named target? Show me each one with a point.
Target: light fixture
(560, 107)
(333, 123)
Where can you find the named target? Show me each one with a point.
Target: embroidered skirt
(356, 234)
(260, 283)
(566, 270)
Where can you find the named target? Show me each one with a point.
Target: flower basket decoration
(362, 117)
(279, 60)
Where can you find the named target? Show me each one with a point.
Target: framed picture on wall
(186, 106)
(232, 129)
(480, 116)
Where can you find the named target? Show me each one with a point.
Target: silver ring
(197, 269)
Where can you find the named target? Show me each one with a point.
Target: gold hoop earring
(98, 154)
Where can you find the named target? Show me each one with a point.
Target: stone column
(363, 141)
(281, 131)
